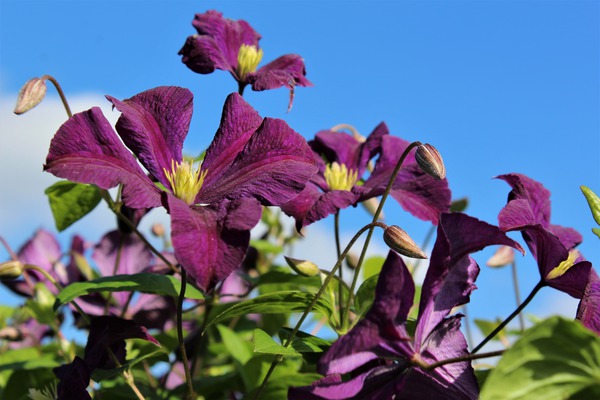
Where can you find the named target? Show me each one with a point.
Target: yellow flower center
(185, 182)
(564, 266)
(248, 58)
(338, 177)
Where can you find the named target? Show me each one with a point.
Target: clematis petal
(287, 70)
(273, 167)
(588, 310)
(152, 311)
(154, 124)
(202, 55)
(211, 242)
(118, 254)
(417, 192)
(452, 273)
(312, 205)
(87, 150)
(228, 36)
(74, 379)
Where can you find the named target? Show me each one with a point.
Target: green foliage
(71, 201)
(556, 359)
(165, 285)
(264, 343)
(372, 266)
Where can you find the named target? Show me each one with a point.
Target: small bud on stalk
(430, 161)
(399, 241)
(302, 267)
(10, 270)
(31, 94)
(158, 230)
(505, 255)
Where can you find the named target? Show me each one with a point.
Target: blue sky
(496, 86)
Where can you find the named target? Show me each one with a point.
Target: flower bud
(430, 161)
(158, 230)
(11, 269)
(302, 267)
(399, 241)
(31, 94)
(503, 256)
(352, 260)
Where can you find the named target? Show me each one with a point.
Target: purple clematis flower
(553, 246)
(379, 356)
(213, 206)
(43, 250)
(343, 162)
(229, 45)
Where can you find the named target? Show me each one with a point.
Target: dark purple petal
(534, 193)
(417, 192)
(129, 250)
(154, 125)
(152, 311)
(287, 70)
(451, 274)
(211, 242)
(588, 311)
(446, 342)
(74, 379)
(202, 55)
(87, 150)
(239, 122)
(273, 167)
(111, 332)
(312, 205)
(228, 36)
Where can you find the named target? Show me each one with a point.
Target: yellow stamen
(248, 58)
(564, 266)
(338, 177)
(185, 182)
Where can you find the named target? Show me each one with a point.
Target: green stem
(428, 237)
(60, 93)
(309, 308)
(467, 357)
(336, 229)
(520, 308)
(182, 352)
(363, 253)
(515, 279)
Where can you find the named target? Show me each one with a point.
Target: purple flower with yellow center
(553, 246)
(229, 45)
(378, 358)
(343, 162)
(213, 205)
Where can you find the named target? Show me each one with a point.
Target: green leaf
(70, 201)
(264, 246)
(238, 349)
(26, 358)
(365, 295)
(263, 343)
(277, 387)
(271, 303)
(556, 359)
(372, 266)
(487, 327)
(304, 342)
(164, 285)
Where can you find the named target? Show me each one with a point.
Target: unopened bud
(430, 161)
(399, 241)
(371, 206)
(31, 94)
(459, 205)
(302, 267)
(11, 270)
(158, 230)
(352, 260)
(503, 256)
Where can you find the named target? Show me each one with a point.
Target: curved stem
(375, 218)
(309, 308)
(184, 359)
(520, 308)
(60, 93)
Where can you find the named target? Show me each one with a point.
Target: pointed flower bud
(430, 161)
(11, 269)
(352, 260)
(302, 267)
(503, 256)
(399, 241)
(31, 94)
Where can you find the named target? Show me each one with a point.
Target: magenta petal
(273, 167)
(202, 55)
(588, 311)
(154, 125)
(210, 243)
(86, 149)
(287, 70)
